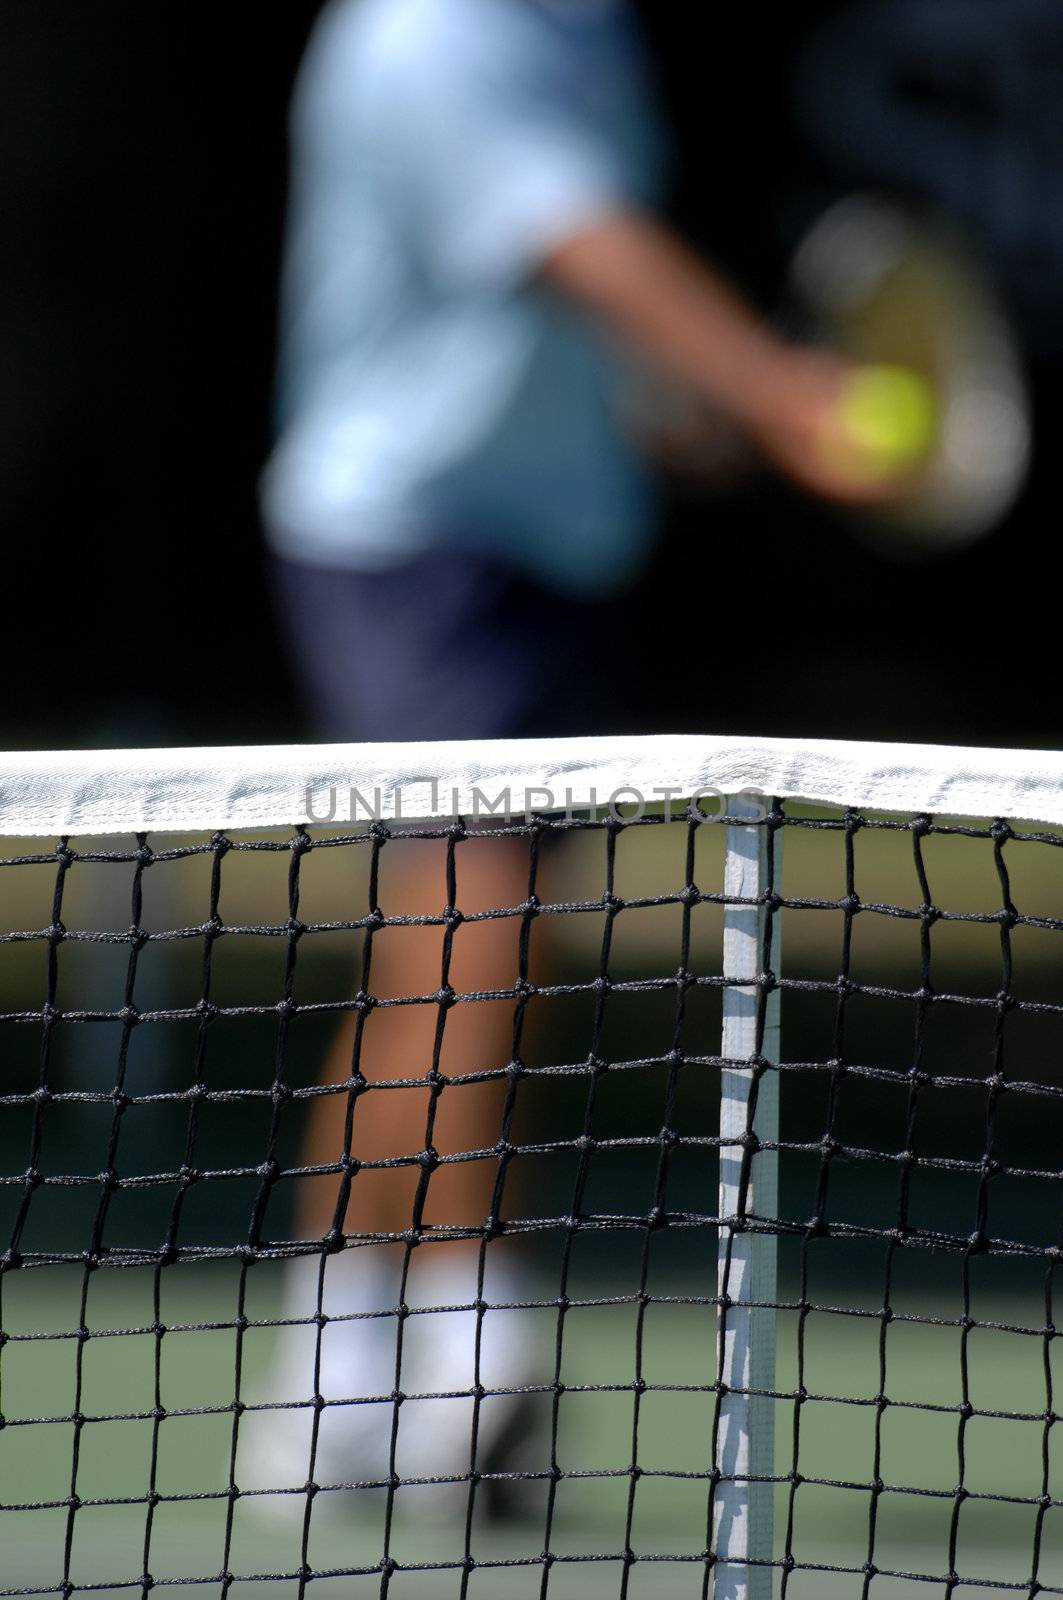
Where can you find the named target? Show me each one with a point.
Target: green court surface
(918, 1453)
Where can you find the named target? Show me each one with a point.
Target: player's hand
(805, 423)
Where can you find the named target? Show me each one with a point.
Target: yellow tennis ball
(889, 415)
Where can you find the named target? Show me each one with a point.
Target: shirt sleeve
(493, 156)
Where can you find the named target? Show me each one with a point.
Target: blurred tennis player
(472, 246)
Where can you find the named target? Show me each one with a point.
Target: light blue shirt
(428, 391)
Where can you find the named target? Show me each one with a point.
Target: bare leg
(398, 1042)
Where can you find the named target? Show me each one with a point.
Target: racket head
(889, 285)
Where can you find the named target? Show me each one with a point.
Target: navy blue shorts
(450, 645)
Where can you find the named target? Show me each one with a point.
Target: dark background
(142, 174)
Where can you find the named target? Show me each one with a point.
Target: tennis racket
(940, 375)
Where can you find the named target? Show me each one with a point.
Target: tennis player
(473, 253)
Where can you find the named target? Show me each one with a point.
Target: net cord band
(118, 791)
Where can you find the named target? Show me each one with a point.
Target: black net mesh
(359, 1196)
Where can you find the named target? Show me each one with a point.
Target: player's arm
(642, 281)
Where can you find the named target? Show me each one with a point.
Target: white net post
(742, 1520)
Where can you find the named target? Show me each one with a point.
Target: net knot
(32, 1178)
(444, 996)
(269, 1171)
(428, 1159)
(690, 895)
(56, 933)
(669, 1138)
(287, 1007)
(1001, 831)
(452, 917)
(280, 1093)
(294, 928)
(515, 1068)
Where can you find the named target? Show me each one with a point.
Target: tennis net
(407, 1189)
